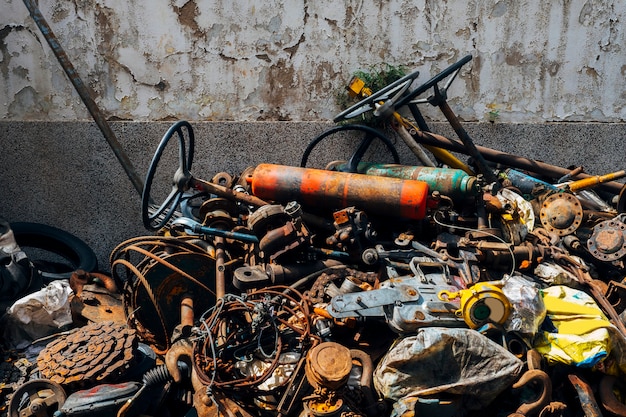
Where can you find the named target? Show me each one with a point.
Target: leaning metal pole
(84, 94)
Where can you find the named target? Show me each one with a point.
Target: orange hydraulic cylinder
(335, 190)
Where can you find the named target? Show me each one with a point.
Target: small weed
(375, 77)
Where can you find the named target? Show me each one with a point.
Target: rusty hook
(544, 398)
(182, 350)
(80, 278)
(608, 398)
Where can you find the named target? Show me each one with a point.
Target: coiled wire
(259, 325)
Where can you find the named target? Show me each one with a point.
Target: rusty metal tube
(328, 189)
(591, 182)
(186, 311)
(455, 183)
(514, 161)
(84, 94)
(80, 278)
(586, 397)
(608, 398)
(220, 267)
(468, 143)
(226, 192)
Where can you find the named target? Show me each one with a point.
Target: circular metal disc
(561, 213)
(608, 241)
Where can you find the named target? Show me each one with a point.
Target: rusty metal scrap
(95, 353)
(362, 289)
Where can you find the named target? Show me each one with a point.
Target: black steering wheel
(451, 71)
(390, 92)
(353, 162)
(395, 95)
(155, 218)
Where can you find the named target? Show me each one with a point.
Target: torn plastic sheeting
(440, 361)
(39, 314)
(579, 332)
(554, 274)
(528, 310)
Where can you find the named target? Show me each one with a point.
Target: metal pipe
(226, 192)
(467, 142)
(588, 403)
(220, 268)
(186, 311)
(330, 190)
(514, 161)
(84, 94)
(595, 180)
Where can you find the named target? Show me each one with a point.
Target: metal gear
(39, 397)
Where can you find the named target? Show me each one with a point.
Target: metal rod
(220, 268)
(84, 94)
(514, 161)
(479, 159)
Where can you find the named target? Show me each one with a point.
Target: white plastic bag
(38, 314)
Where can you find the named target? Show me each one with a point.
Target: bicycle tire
(75, 252)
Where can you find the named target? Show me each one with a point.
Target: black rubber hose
(160, 374)
(74, 253)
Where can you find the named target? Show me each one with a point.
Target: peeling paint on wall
(287, 59)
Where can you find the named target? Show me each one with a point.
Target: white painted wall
(244, 60)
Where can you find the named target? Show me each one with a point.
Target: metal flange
(561, 213)
(608, 240)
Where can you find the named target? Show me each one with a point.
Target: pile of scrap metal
(362, 289)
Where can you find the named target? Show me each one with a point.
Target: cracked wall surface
(286, 60)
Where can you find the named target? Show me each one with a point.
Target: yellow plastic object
(482, 303)
(356, 88)
(591, 182)
(580, 334)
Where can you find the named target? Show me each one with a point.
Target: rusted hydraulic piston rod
(514, 161)
(84, 94)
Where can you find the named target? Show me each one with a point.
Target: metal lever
(185, 223)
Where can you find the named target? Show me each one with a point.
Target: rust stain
(187, 16)
(293, 49)
(59, 13)
(552, 67)
(275, 89)
(4, 52)
(325, 74)
(514, 57)
(107, 28)
(591, 72)
(473, 78)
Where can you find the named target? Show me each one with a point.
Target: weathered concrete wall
(287, 59)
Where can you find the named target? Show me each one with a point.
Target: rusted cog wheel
(37, 398)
